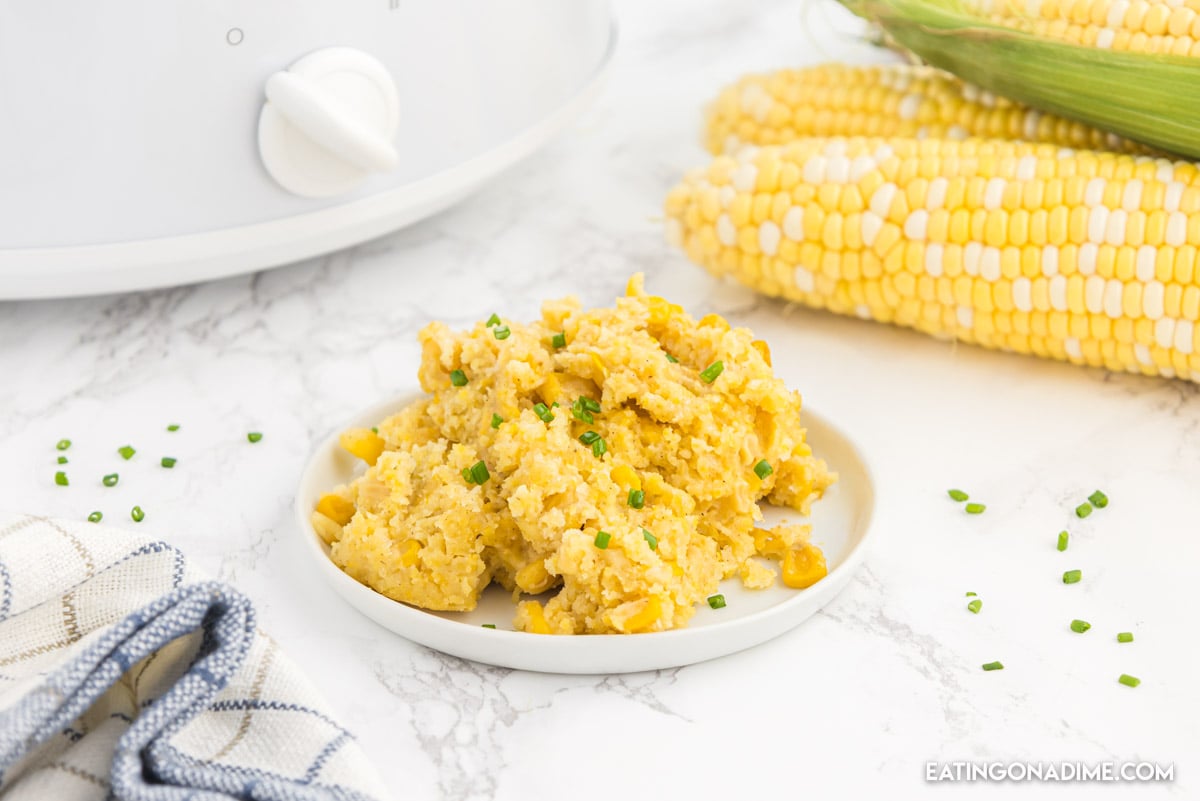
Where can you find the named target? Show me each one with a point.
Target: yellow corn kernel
(534, 578)
(599, 365)
(626, 477)
(768, 543)
(411, 552)
(551, 390)
(763, 349)
(363, 443)
(644, 618)
(714, 321)
(336, 508)
(661, 311)
(536, 617)
(803, 566)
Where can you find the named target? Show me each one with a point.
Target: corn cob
(1128, 25)
(1119, 87)
(881, 100)
(1083, 256)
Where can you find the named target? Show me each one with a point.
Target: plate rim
(315, 547)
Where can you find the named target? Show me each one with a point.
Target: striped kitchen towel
(123, 675)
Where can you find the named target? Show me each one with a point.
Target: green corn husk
(1153, 99)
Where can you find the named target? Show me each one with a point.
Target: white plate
(841, 527)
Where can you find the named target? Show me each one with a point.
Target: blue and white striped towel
(125, 676)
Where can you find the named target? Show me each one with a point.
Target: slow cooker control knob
(329, 122)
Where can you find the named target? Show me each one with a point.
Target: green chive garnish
(975, 508)
(971, 594)
(637, 498)
(1080, 626)
(374, 429)
(111, 480)
(254, 436)
(458, 378)
(559, 340)
(652, 541)
(493, 320)
(580, 412)
(1125, 636)
(975, 606)
(496, 420)
(126, 452)
(589, 437)
(543, 412)
(1098, 499)
(137, 514)
(1129, 681)
(173, 427)
(957, 495)
(993, 666)
(489, 625)
(709, 374)
(599, 447)
(716, 601)
(95, 517)
(501, 332)
(466, 474)
(763, 469)
(479, 473)
(168, 461)
(62, 460)
(590, 405)
(672, 359)
(63, 444)
(602, 540)
(1072, 576)
(1062, 540)
(60, 478)
(1083, 510)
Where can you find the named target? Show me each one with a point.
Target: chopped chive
(1125, 636)
(716, 601)
(1129, 681)
(652, 541)
(1072, 576)
(60, 478)
(589, 437)
(763, 469)
(1083, 510)
(599, 447)
(1080, 626)
(458, 378)
(168, 462)
(671, 359)
(559, 340)
(63, 444)
(709, 374)
(137, 514)
(496, 420)
(95, 517)
(111, 480)
(1062, 540)
(466, 474)
(590, 405)
(957, 495)
(489, 625)
(501, 332)
(62, 460)
(637, 498)
(493, 320)
(580, 412)
(975, 606)
(971, 594)
(1098, 499)
(479, 473)
(543, 412)
(126, 452)
(173, 427)
(254, 436)
(374, 429)
(993, 666)
(975, 508)
(602, 540)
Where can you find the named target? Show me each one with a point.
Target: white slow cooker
(145, 143)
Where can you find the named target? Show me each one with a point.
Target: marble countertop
(855, 702)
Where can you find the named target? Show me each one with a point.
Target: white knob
(330, 121)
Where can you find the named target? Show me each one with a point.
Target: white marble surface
(853, 703)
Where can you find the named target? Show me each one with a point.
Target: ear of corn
(1146, 97)
(881, 100)
(1083, 256)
